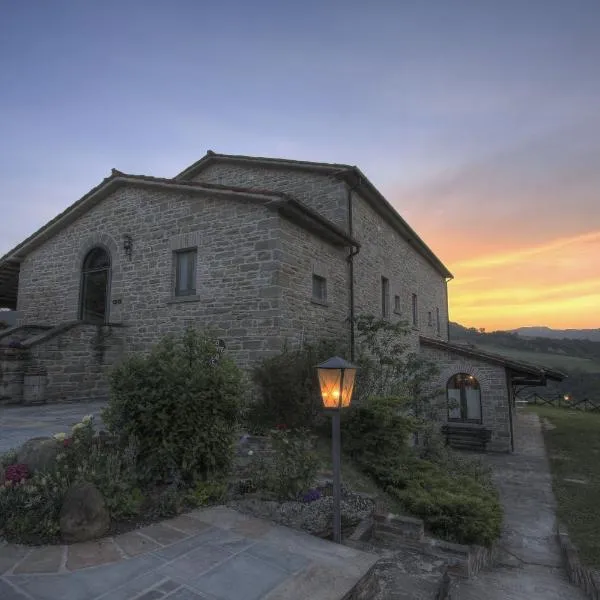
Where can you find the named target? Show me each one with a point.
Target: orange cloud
(523, 253)
(555, 283)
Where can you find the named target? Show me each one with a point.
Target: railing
(560, 401)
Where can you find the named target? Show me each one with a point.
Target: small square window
(185, 272)
(397, 304)
(319, 289)
(415, 310)
(385, 297)
(429, 318)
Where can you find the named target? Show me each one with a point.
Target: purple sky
(479, 119)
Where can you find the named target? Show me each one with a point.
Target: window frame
(192, 268)
(321, 284)
(463, 399)
(385, 297)
(438, 326)
(88, 272)
(415, 310)
(397, 304)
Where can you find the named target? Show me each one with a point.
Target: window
(415, 310)
(464, 398)
(95, 279)
(185, 272)
(385, 297)
(397, 304)
(437, 320)
(429, 318)
(319, 289)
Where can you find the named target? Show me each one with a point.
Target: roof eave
(516, 366)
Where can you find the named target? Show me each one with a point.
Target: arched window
(464, 398)
(95, 278)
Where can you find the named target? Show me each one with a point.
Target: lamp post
(336, 380)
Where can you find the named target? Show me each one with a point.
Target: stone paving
(530, 565)
(208, 554)
(21, 423)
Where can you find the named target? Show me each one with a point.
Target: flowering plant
(311, 495)
(17, 473)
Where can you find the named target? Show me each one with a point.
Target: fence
(562, 401)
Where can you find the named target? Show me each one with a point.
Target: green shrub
(288, 390)
(180, 407)
(459, 508)
(291, 468)
(375, 429)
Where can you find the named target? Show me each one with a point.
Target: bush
(454, 496)
(292, 467)
(460, 508)
(30, 504)
(288, 390)
(375, 429)
(180, 405)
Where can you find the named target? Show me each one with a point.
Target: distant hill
(578, 358)
(558, 334)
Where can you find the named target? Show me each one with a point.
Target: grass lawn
(574, 452)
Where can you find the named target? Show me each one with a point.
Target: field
(573, 445)
(562, 362)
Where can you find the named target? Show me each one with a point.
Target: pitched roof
(286, 205)
(351, 174)
(521, 367)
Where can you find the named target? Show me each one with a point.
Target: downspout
(447, 311)
(510, 391)
(353, 253)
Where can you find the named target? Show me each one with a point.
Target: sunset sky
(478, 119)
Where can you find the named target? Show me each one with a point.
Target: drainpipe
(510, 392)
(447, 310)
(353, 253)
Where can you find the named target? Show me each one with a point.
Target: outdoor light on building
(566, 397)
(336, 380)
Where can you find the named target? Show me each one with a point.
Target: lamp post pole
(336, 380)
(337, 491)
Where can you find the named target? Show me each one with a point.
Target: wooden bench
(466, 436)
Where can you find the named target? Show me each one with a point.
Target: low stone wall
(462, 560)
(395, 526)
(366, 589)
(585, 578)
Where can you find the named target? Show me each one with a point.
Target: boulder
(83, 515)
(39, 454)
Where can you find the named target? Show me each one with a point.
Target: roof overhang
(522, 373)
(353, 176)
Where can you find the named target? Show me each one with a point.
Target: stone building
(261, 252)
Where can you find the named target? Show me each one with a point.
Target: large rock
(83, 515)
(39, 454)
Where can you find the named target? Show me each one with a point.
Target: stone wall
(238, 244)
(494, 392)
(74, 360)
(384, 253)
(323, 193)
(303, 318)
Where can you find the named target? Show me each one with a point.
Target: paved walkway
(20, 423)
(530, 563)
(209, 554)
